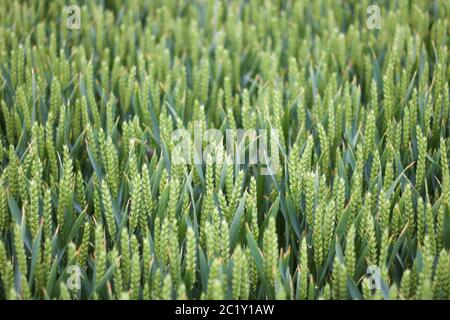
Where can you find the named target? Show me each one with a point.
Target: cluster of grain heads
(94, 203)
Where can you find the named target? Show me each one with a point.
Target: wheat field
(338, 189)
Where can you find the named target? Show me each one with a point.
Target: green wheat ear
(339, 276)
(7, 274)
(421, 157)
(441, 283)
(108, 211)
(350, 251)
(32, 210)
(166, 290)
(174, 254)
(87, 175)
(190, 258)
(100, 252)
(270, 251)
(302, 272)
(237, 272)
(4, 212)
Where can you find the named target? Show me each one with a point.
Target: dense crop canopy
(224, 149)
